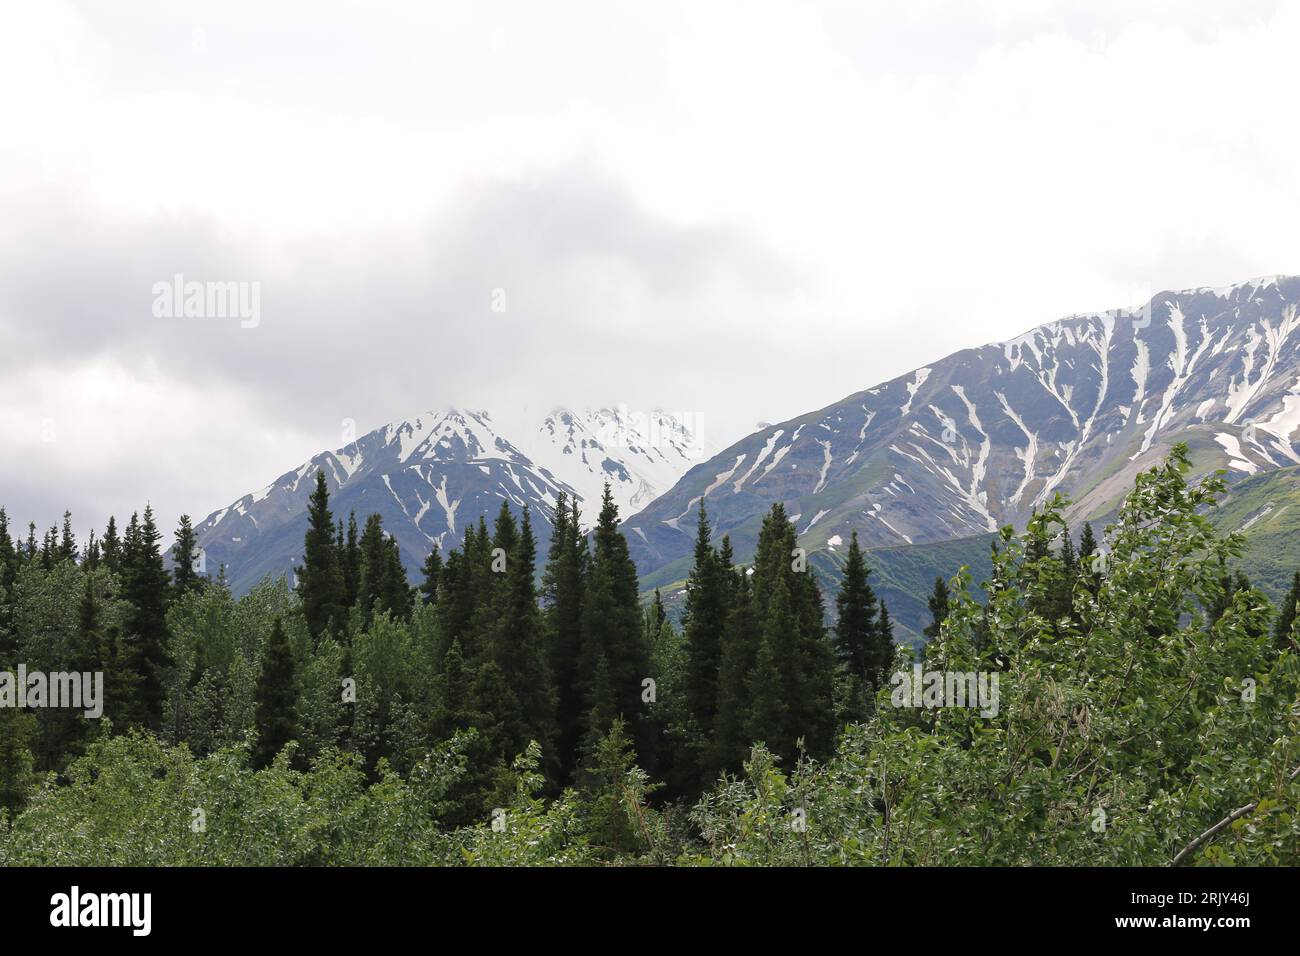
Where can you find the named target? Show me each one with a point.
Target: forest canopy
(499, 713)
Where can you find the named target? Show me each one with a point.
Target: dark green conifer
(185, 553)
(856, 646)
(938, 603)
(320, 580)
(277, 698)
(704, 618)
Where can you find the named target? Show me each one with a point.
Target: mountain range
(924, 467)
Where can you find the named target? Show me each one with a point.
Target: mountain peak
(431, 474)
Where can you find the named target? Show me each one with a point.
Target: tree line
(374, 720)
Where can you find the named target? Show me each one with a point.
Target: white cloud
(687, 202)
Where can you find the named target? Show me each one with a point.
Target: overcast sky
(742, 211)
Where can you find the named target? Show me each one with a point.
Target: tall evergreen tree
(374, 569)
(398, 595)
(185, 552)
(704, 619)
(657, 615)
(564, 594)
(112, 546)
(520, 646)
(320, 580)
(793, 649)
(612, 628)
(740, 638)
(31, 551)
(1088, 550)
(67, 540)
(885, 630)
(856, 648)
(350, 563)
(92, 558)
(147, 588)
(50, 548)
(277, 698)
(432, 575)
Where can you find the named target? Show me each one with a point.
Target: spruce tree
(856, 647)
(703, 619)
(320, 580)
(398, 595)
(185, 553)
(885, 636)
(814, 706)
(375, 570)
(564, 593)
(612, 627)
(520, 648)
(67, 540)
(93, 556)
(1088, 550)
(277, 698)
(350, 563)
(602, 709)
(657, 615)
(123, 666)
(112, 546)
(740, 638)
(432, 575)
(89, 652)
(772, 679)
(147, 588)
(793, 649)
(50, 548)
(31, 551)
(1087, 544)
(938, 603)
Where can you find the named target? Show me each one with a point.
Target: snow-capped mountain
(432, 475)
(980, 438)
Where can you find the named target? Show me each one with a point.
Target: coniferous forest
(502, 713)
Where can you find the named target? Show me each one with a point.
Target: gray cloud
(740, 211)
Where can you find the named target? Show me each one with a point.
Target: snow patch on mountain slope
(1028, 454)
(1236, 458)
(1182, 368)
(826, 465)
(1242, 393)
(758, 460)
(914, 386)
